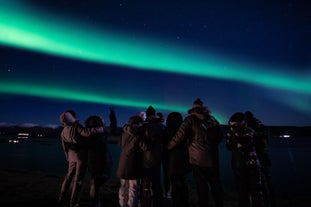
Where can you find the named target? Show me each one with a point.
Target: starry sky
(91, 56)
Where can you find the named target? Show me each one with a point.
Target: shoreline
(28, 188)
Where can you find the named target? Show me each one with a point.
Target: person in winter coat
(203, 133)
(152, 158)
(130, 163)
(261, 143)
(176, 161)
(99, 159)
(74, 142)
(245, 163)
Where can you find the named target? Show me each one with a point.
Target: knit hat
(198, 106)
(197, 103)
(150, 111)
(237, 119)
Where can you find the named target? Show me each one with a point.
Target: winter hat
(150, 111)
(237, 119)
(68, 117)
(197, 103)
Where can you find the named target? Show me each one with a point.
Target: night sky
(90, 56)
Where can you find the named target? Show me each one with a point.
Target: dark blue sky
(273, 36)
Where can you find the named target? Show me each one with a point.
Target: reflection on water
(290, 170)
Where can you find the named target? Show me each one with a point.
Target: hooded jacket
(240, 141)
(204, 135)
(73, 137)
(132, 146)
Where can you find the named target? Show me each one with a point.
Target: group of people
(179, 146)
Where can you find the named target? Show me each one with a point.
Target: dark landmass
(47, 132)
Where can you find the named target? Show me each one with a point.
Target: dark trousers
(180, 193)
(97, 180)
(76, 172)
(248, 182)
(268, 191)
(166, 178)
(151, 188)
(205, 178)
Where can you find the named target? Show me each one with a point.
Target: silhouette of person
(75, 147)
(261, 142)
(176, 161)
(245, 163)
(99, 159)
(113, 122)
(130, 163)
(203, 133)
(152, 158)
(166, 179)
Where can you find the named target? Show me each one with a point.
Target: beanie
(197, 103)
(237, 118)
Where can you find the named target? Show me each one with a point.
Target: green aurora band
(25, 28)
(29, 29)
(64, 94)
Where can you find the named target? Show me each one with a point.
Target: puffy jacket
(177, 159)
(131, 143)
(204, 135)
(240, 140)
(261, 142)
(74, 142)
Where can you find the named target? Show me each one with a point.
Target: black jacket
(132, 146)
(153, 129)
(240, 140)
(204, 135)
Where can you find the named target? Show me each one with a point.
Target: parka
(204, 134)
(74, 142)
(132, 146)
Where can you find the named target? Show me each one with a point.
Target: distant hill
(48, 132)
(35, 131)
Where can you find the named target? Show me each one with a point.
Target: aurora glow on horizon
(25, 28)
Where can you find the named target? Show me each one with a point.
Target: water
(291, 167)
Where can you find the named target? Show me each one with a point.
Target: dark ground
(23, 188)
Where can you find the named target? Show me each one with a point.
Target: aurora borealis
(57, 59)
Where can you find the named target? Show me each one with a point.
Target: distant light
(286, 136)
(23, 135)
(14, 141)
